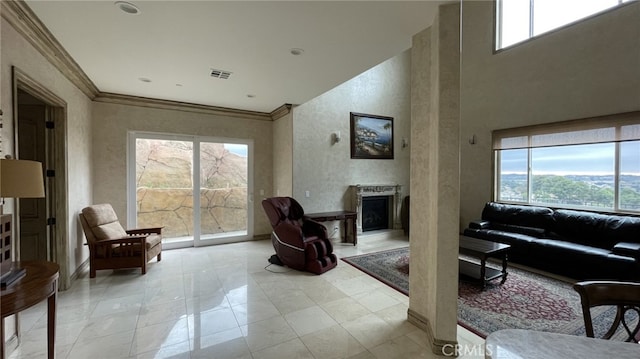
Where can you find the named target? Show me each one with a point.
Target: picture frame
(371, 136)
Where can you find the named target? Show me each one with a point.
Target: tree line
(562, 190)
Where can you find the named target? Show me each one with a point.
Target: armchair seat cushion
(153, 240)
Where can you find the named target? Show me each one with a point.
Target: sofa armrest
(627, 249)
(479, 224)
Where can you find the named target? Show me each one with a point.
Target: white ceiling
(175, 44)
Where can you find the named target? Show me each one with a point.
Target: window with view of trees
(519, 20)
(591, 163)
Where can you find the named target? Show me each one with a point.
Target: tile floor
(221, 302)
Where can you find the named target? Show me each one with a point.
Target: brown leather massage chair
(300, 243)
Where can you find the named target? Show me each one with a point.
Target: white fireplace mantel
(392, 190)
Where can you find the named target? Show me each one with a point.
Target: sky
(594, 159)
(238, 149)
(547, 15)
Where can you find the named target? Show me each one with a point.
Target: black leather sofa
(579, 244)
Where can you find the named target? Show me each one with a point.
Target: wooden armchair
(624, 295)
(113, 247)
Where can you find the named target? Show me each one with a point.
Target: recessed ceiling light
(144, 79)
(127, 7)
(296, 51)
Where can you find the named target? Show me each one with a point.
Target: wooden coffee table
(482, 250)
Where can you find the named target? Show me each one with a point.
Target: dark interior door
(32, 146)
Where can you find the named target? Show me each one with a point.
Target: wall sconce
(405, 142)
(336, 137)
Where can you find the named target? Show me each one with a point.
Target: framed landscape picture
(371, 136)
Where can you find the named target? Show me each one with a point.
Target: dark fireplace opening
(375, 213)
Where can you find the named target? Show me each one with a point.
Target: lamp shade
(21, 179)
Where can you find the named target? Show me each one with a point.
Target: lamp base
(11, 277)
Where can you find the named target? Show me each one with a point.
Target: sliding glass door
(224, 191)
(197, 188)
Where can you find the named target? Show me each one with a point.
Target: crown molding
(281, 111)
(179, 106)
(25, 21)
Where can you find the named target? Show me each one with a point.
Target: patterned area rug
(525, 301)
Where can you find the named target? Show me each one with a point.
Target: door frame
(56, 149)
(195, 139)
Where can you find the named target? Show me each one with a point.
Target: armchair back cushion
(102, 223)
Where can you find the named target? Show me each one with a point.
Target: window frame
(497, 28)
(616, 121)
(198, 238)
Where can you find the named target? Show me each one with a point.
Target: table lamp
(18, 179)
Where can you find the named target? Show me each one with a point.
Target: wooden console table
(40, 283)
(338, 216)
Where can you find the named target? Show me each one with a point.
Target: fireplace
(375, 213)
(391, 194)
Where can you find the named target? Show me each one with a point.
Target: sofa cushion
(627, 249)
(551, 245)
(524, 216)
(595, 229)
(500, 236)
(529, 231)
(480, 224)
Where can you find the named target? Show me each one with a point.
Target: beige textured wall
(282, 156)
(112, 122)
(326, 170)
(587, 69)
(435, 178)
(17, 51)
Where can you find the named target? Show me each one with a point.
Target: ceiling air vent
(220, 74)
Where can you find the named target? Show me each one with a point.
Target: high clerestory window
(520, 20)
(584, 164)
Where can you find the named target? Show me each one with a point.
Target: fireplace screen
(375, 213)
